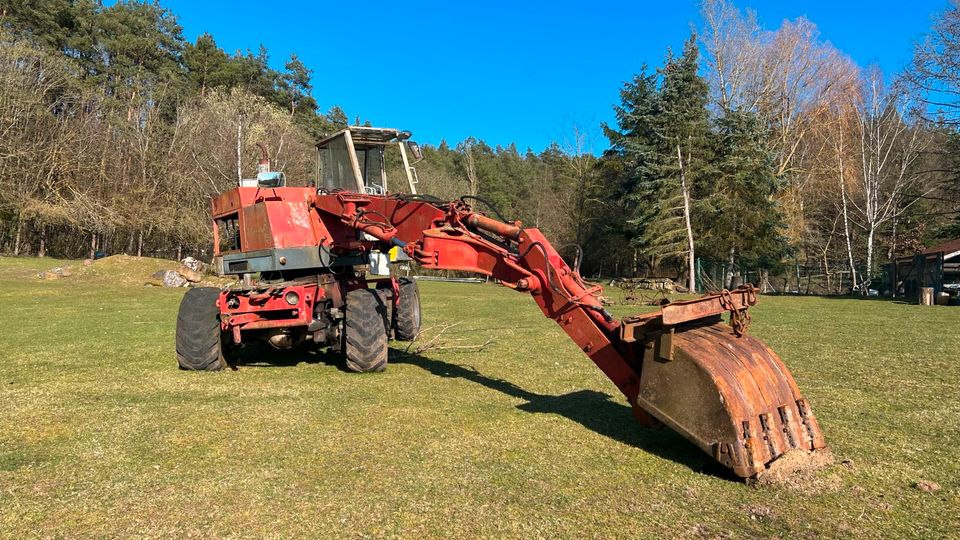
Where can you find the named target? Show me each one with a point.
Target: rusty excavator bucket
(723, 390)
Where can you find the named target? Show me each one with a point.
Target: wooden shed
(937, 267)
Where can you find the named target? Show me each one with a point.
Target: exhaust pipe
(263, 165)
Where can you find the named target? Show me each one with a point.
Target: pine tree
(295, 86)
(745, 220)
(659, 152)
(206, 64)
(683, 132)
(337, 118)
(67, 26)
(630, 167)
(139, 42)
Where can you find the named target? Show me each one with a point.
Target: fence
(821, 278)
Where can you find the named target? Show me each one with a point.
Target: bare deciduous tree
(889, 147)
(935, 71)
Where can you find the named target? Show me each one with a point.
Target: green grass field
(101, 435)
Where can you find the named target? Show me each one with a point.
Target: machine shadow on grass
(596, 411)
(261, 355)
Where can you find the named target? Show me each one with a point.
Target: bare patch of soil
(927, 486)
(759, 512)
(797, 470)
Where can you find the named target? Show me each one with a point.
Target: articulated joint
(527, 284)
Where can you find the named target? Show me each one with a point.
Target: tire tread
(365, 331)
(407, 321)
(198, 338)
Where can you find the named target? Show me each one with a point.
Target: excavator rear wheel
(365, 331)
(407, 321)
(199, 339)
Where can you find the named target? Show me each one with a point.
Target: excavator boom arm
(726, 392)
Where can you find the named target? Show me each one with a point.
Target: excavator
(314, 269)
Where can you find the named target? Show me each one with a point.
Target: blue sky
(510, 71)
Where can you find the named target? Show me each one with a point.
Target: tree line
(115, 131)
(750, 151)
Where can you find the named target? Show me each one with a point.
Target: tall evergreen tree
(633, 157)
(67, 26)
(337, 118)
(295, 86)
(139, 42)
(660, 151)
(295, 92)
(683, 131)
(741, 208)
(206, 64)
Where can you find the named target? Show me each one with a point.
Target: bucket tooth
(731, 396)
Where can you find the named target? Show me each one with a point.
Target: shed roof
(950, 250)
(951, 247)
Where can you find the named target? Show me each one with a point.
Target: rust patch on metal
(736, 302)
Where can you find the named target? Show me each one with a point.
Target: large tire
(365, 331)
(386, 298)
(199, 340)
(407, 320)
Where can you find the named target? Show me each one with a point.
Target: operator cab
(355, 159)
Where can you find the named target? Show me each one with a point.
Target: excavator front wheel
(407, 319)
(365, 330)
(200, 344)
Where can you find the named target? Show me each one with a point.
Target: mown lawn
(101, 435)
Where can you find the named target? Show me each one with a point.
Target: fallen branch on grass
(435, 344)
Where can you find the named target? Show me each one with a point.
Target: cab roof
(369, 135)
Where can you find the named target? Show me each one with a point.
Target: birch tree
(889, 148)
(662, 144)
(842, 181)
